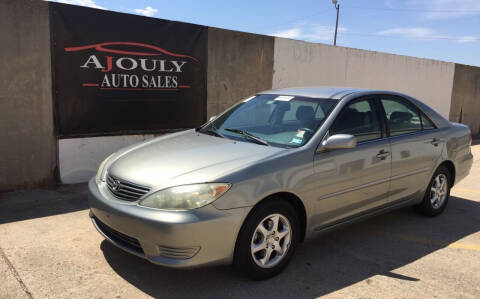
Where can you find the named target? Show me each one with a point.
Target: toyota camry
(274, 170)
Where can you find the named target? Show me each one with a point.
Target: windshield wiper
(214, 131)
(248, 135)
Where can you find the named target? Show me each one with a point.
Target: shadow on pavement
(322, 265)
(30, 204)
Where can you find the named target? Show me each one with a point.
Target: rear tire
(268, 239)
(437, 193)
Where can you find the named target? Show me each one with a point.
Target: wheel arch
(293, 200)
(451, 168)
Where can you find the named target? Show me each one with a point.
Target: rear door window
(402, 117)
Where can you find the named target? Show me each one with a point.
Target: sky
(447, 30)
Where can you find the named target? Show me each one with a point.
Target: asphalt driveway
(49, 249)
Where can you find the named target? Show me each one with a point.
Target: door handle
(382, 155)
(435, 141)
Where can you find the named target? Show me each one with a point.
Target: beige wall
(27, 144)
(298, 63)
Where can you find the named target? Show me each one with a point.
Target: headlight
(101, 167)
(185, 197)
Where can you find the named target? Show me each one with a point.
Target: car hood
(185, 158)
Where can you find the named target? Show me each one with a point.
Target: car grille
(121, 239)
(125, 190)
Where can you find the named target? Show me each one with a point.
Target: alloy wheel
(271, 240)
(438, 191)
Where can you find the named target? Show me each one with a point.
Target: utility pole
(337, 6)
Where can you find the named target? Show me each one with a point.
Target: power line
(415, 10)
(474, 38)
(369, 8)
(297, 19)
(412, 37)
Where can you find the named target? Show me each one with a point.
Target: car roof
(316, 92)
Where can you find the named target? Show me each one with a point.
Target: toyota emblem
(115, 185)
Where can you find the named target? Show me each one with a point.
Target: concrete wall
(239, 64)
(298, 63)
(80, 157)
(465, 106)
(27, 144)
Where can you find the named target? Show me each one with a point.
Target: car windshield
(276, 120)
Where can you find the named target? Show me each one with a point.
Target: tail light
(470, 139)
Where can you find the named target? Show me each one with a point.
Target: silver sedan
(274, 170)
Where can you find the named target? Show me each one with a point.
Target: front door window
(359, 119)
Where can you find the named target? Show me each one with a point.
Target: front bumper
(169, 238)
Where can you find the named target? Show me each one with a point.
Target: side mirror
(212, 118)
(339, 141)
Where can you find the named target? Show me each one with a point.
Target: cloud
(410, 32)
(424, 34)
(147, 11)
(467, 39)
(87, 3)
(309, 32)
(293, 33)
(446, 9)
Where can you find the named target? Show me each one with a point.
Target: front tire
(267, 240)
(437, 193)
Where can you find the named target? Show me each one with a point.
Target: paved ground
(48, 248)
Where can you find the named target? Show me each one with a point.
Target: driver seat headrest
(305, 113)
